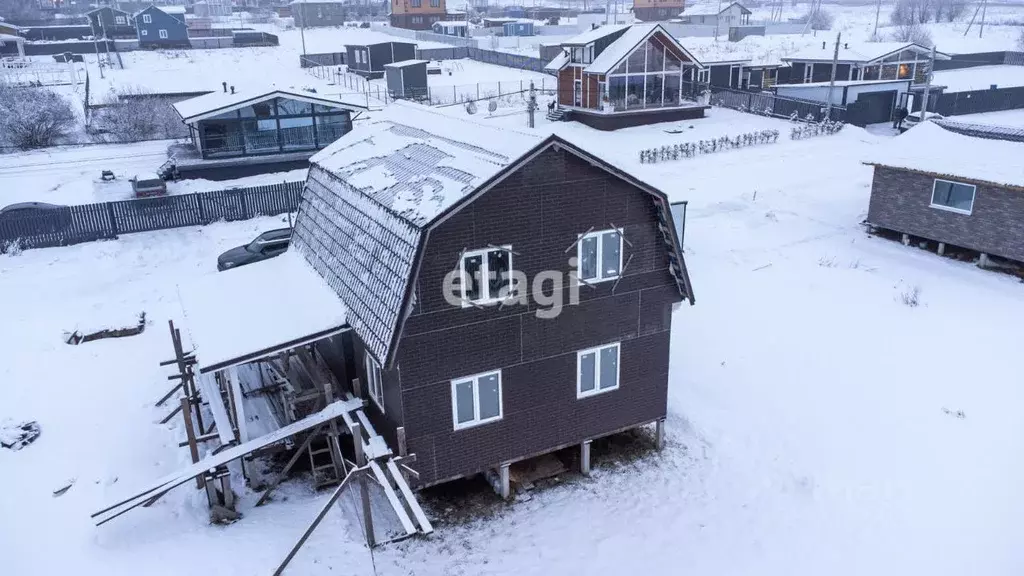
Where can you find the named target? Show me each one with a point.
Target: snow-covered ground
(980, 78)
(71, 174)
(1012, 118)
(817, 425)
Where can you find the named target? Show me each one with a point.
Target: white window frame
(974, 196)
(119, 20)
(147, 18)
(476, 421)
(374, 384)
(596, 351)
(359, 56)
(600, 253)
(163, 34)
(144, 32)
(485, 286)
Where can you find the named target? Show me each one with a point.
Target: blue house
(451, 28)
(162, 27)
(524, 28)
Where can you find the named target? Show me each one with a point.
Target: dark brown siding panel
(900, 201)
(539, 210)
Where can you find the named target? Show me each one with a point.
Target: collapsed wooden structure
(282, 399)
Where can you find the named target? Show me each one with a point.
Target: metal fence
(768, 104)
(86, 223)
(322, 59)
(975, 101)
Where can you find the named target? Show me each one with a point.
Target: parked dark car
(267, 245)
(30, 218)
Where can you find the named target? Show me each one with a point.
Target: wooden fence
(86, 223)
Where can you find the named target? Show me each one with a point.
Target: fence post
(202, 209)
(454, 97)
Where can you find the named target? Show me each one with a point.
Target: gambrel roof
(372, 198)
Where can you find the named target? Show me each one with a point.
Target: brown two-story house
(509, 295)
(657, 10)
(417, 14)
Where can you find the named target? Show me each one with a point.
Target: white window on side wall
(374, 386)
(147, 19)
(600, 255)
(486, 275)
(597, 370)
(953, 196)
(476, 399)
(163, 34)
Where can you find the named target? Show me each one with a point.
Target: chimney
(232, 89)
(225, 84)
(822, 45)
(846, 45)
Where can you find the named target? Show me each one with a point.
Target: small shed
(368, 60)
(451, 28)
(518, 28)
(407, 79)
(872, 101)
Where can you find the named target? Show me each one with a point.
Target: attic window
(147, 19)
(486, 275)
(600, 256)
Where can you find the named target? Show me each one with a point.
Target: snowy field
(1012, 118)
(980, 78)
(813, 422)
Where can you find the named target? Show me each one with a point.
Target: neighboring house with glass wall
(449, 243)
(616, 76)
(861, 61)
(944, 182)
(233, 123)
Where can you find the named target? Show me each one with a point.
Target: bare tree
(908, 11)
(131, 115)
(912, 32)
(950, 10)
(34, 117)
(820, 19)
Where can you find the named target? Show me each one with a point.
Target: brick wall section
(900, 201)
(539, 210)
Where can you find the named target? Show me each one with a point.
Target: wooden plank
(389, 491)
(414, 505)
(190, 433)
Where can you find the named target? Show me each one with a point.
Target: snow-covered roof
(933, 149)
(218, 102)
(418, 162)
(558, 62)
(244, 313)
(11, 38)
(405, 63)
(594, 34)
(858, 51)
(451, 23)
(710, 8)
(624, 45)
(173, 9)
(842, 83)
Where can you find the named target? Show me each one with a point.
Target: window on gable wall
(486, 275)
(373, 382)
(147, 19)
(163, 34)
(600, 256)
(119, 19)
(597, 370)
(476, 399)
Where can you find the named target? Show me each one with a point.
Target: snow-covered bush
(131, 116)
(911, 298)
(819, 19)
(691, 149)
(811, 130)
(34, 117)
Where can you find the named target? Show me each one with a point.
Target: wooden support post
(240, 420)
(332, 440)
(357, 388)
(983, 260)
(357, 443)
(364, 493)
(190, 433)
(403, 449)
(942, 248)
(225, 487)
(171, 415)
(169, 394)
(659, 434)
(906, 239)
(211, 493)
(505, 490)
(585, 458)
(316, 521)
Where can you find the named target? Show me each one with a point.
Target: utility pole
(717, 18)
(302, 29)
(878, 10)
(832, 80)
(96, 44)
(927, 86)
(984, 5)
